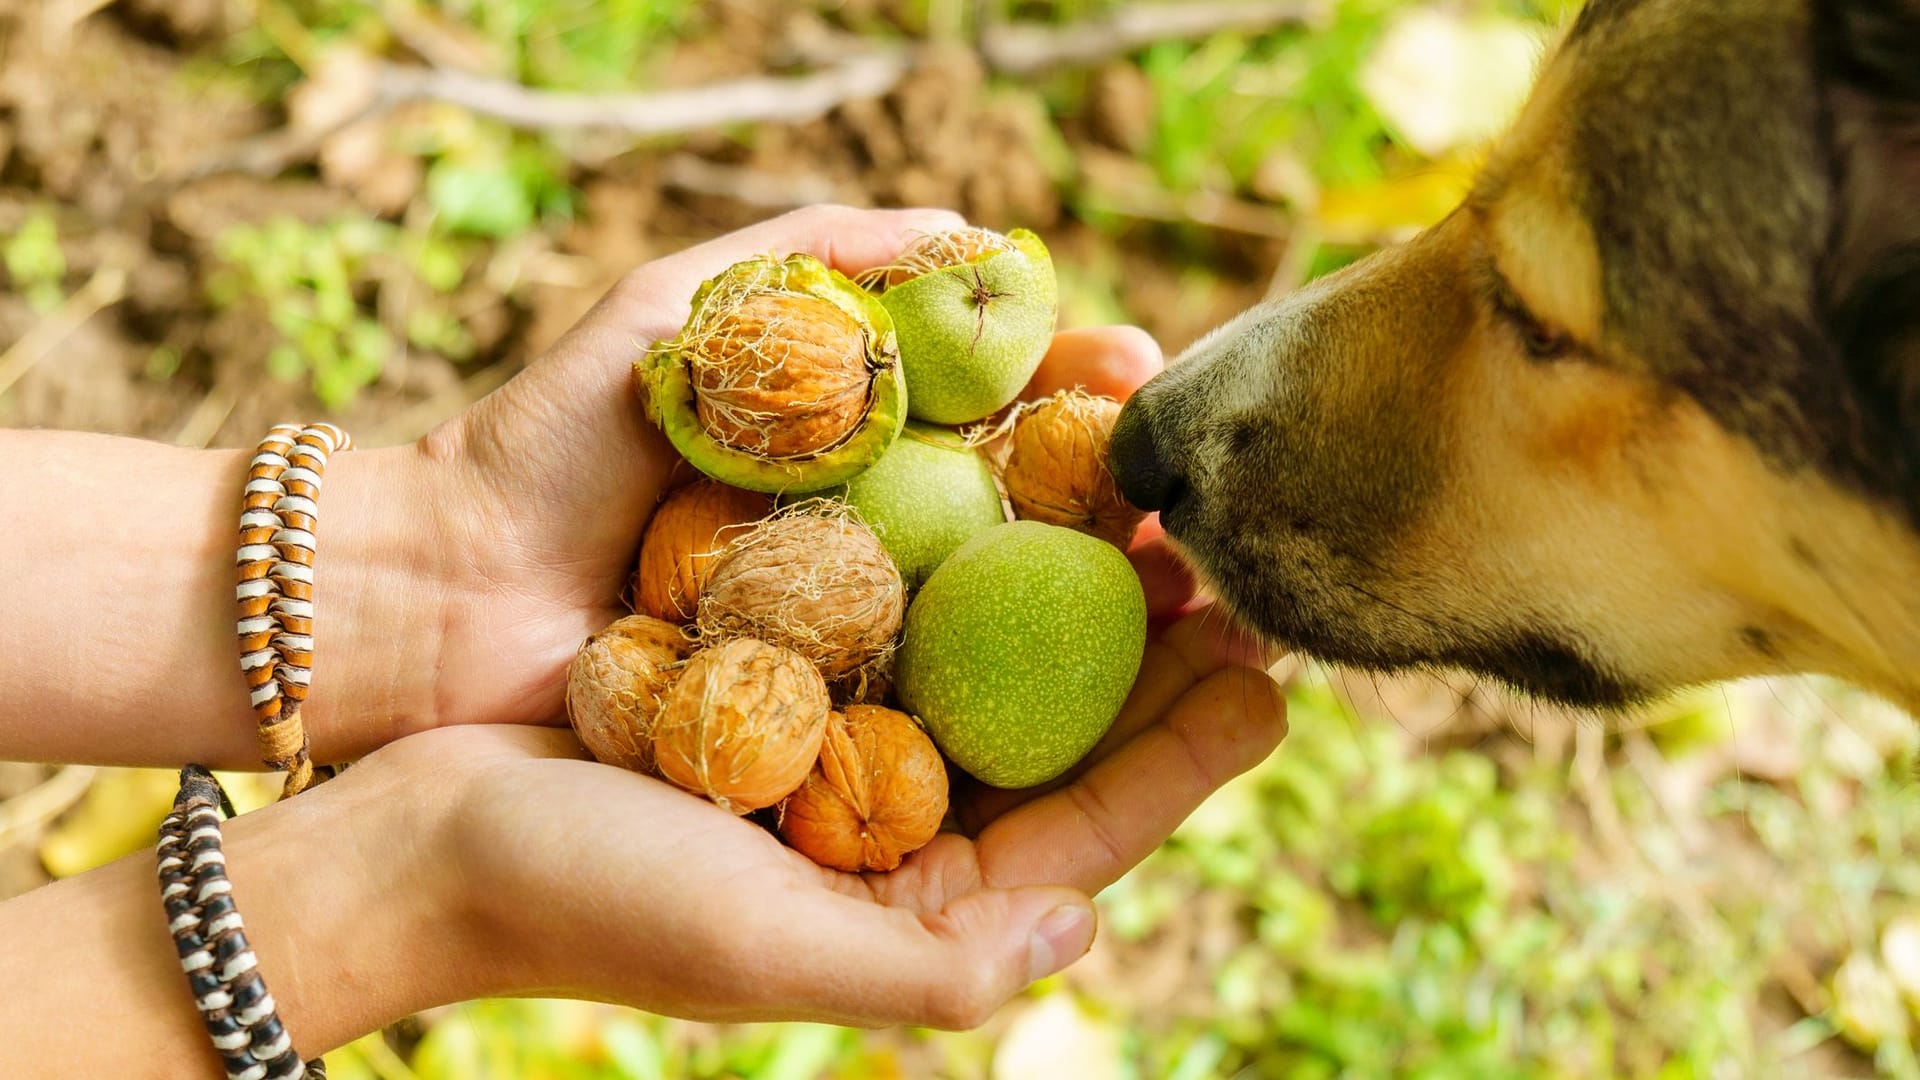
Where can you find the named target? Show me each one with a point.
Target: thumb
(576, 404)
(880, 966)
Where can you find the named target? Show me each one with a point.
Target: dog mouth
(1290, 598)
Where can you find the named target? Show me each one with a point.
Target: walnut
(813, 580)
(687, 532)
(615, 684)
(1056, 468)
(877, 793)
(742, 724)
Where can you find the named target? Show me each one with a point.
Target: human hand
(544, 487)
(601, 883)
(479, 861)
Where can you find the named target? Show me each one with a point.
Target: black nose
(1145, 478)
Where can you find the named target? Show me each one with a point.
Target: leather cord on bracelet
(275, 590)
(212, 943)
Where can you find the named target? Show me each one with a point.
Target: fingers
(852, 961)
(1110, 360)
(1191, 650)
(1093, 830)
(1172, 588)
(849, 240)
(1210, 639)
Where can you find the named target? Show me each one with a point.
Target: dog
(1642, 412)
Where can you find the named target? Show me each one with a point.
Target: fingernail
(1062, 937)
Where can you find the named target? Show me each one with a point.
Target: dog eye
(1542, 342)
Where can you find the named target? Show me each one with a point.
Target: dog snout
(1146, 477)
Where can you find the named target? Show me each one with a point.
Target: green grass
(318, 287)
(36, 265)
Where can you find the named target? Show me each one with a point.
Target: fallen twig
(1206, 208)
(23, 815)
(665, 112)
(752, 187)
(1003, 48)
(648, 115)
(204, 422)
(103, 289)
(277, 151)
(1013, 49)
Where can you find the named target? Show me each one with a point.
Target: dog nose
(1145, 478)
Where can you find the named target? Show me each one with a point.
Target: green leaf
(162, 363)
(479, 200)
(285, 363)
(439, 264)
(802, 1052)
(120, 814)
(633, 1050)
(33, 255)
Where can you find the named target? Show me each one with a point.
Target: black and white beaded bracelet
(211, 939)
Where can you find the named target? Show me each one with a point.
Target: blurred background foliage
(217, 213)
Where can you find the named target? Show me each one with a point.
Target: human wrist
(354, 913)
(382, 589)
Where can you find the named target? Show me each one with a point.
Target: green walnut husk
(1020, 649)
(974, 311)
(930, 493)
(786, 377)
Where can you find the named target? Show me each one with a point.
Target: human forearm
(117, 640)
(348, 908)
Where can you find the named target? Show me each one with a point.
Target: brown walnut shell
(877, 794)
(615, 684)
(687, 532)
(742, 724)
(1056, 468)
(819, 583)
(780, 375)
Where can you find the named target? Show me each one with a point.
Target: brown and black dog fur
(1643, 411)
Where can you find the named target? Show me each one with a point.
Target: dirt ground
(106, 121)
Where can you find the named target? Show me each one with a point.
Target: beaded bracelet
(275, 597)
(275, 591)
(212, 942)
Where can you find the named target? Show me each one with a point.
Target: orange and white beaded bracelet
(275, 590)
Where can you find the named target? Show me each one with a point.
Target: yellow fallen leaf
(249, 791)
(1055, 1037)
(1900, 952)
(1866, 1003)
(367, 1058)
(1395, 208)
(121, 814)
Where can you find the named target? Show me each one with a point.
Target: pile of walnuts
(755, 671)
(763, 703)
